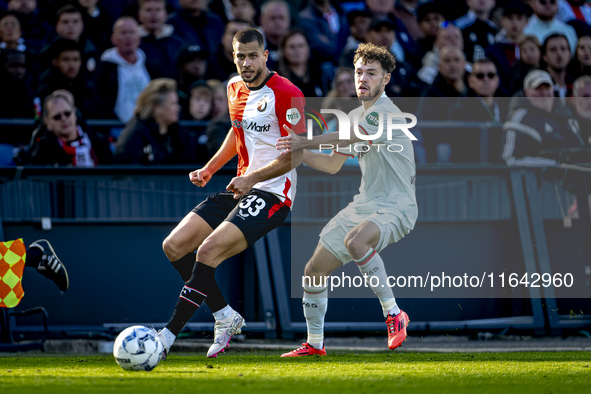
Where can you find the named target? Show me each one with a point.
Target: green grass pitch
(266, 372)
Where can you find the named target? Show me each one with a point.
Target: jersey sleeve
(371, 123)
(289, 108)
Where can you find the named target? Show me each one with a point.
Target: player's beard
(372, 94)
(256, 75)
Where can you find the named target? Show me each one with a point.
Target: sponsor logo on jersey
(262, 105)
(293, 116)
(373, 119)
(250, 125)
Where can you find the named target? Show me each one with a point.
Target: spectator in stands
(296, 65)
(465, 143)
(159, 41)
(65, 142)
(196, 26)
(342, 96)
(505, 51)
(222, 64)
(35, 30)
(154, 136)
(477, 29)
(581, 64)
(406, 12)
(381, 33)
(448, 83)
(220, 99)
(556, 55)
(70, 26)
(582, 105)
(404, 43)
(430, 17)
(325, 25)
(11, 34)
(16, 98)
(67, 73)
(448, 35)
(192, 65)
(122, 72)
(544, 23)
(275, 24)
(245, 10)
(200, 103)
(217, 129)
(538, 124)
(530, 57)
(359, 22)
(97, 23)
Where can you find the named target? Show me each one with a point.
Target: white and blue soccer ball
(137, 348)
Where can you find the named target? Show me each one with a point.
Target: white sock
(315, 303)
(169, 336)
(224, 313)
(373, 265)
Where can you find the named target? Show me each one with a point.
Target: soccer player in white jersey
(383, 212)
(256, 201)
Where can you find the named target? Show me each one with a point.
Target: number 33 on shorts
(251, 206)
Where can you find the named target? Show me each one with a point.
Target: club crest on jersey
(262, 105)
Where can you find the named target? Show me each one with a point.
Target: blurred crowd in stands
(152, 64)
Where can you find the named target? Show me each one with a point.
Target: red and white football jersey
(258, 116)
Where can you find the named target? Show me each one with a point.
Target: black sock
(185, 266)
(33, 258)
(198, 288)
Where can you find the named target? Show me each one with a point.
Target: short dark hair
(68, 9)
(62, 45)
(370, 53)
(544, 47)
(249, 35)
(484, 60)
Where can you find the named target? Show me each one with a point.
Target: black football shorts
(255, 213)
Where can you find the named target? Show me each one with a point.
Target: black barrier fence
(108, 224)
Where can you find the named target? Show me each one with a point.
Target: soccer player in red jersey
(255, 202)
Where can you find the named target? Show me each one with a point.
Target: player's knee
(312, 271)
(171, 250)
(355, 245)
(208, 252)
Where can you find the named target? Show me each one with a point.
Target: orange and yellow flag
(12, 264)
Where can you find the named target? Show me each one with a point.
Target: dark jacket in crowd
(141, 143)
(478, 35)
(219, 67)
(47, 150)
(90, 55)
(162, 51)
(517, 75)
(36, 31)
(82, 87)
(531, 130)
(465, 142)
(205, 30)
(98, 28)
(324, 44)
(498, 54)
(312, 84)
(16, 101)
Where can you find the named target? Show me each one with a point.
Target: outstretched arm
(330, 163)
(293, 141)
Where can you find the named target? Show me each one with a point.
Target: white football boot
(165, 344)
(224, 331)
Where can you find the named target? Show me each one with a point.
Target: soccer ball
(137, 348)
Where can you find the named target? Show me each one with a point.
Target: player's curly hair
(370, 53)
